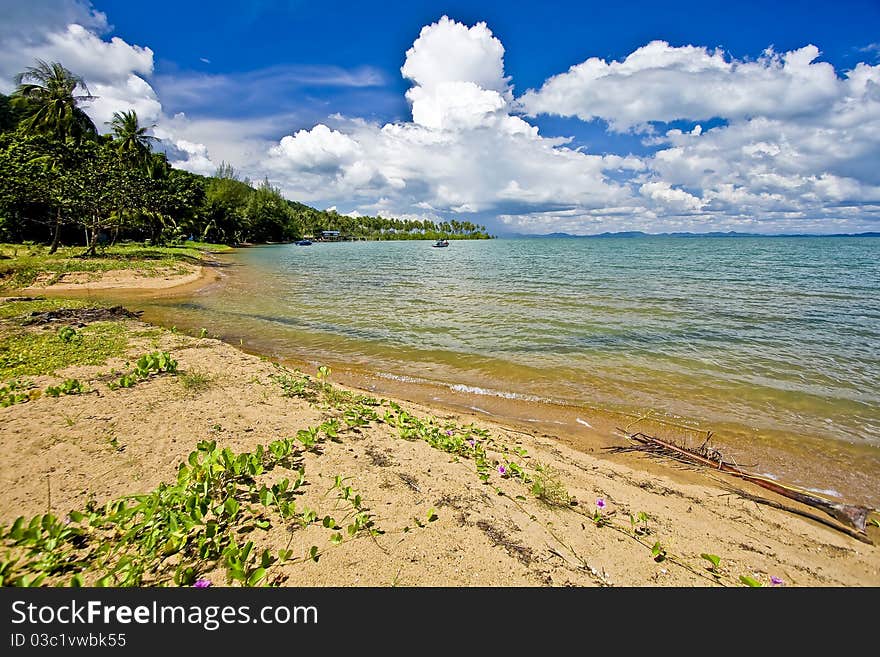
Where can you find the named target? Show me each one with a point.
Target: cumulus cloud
(798, 147)
(659, 82)
(316, 149)
(665, 194)
(816, 167)
(463, 152)
(449, 51)
(29, 22)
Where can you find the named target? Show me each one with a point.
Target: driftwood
(859, 536)
(848, 514)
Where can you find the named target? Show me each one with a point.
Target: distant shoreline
(639, 234)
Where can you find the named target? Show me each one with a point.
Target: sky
(579, 117)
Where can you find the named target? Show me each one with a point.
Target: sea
(768, 346)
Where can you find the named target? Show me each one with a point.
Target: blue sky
(540, 39)
(678, 117)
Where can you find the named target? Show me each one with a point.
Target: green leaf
(432, 515)
(231, 506)
(313, 553)
(658, 552)
(749, 581)
(256, 576)
(336, 539)
(715, 560)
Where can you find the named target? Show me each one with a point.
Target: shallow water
(772, 342)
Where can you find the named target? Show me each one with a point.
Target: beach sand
(57, 453)
(128, 281)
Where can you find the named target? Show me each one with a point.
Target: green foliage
(29, 353)
(358, 516)
(658, 552)
(155, 363)
(158, 362)
(195, 381)
(67, 334)
(124, 381)
(19, 311)
(639, 523)
(750, 581)
(171, 534)
(69, 387)
(548, 487)
(25, 265)
(713, 559)
(45, 95)
(17, 392)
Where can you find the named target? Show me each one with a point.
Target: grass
(548, 487)
(195, 381)
(22, 264)
(31, 353)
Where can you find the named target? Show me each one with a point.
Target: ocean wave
(403, 378)
(475, 390)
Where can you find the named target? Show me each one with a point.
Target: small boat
(440, 243)
(303, 242)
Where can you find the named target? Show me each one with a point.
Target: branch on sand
(853, 517)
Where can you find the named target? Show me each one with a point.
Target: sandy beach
(618, 521)
(128, 281)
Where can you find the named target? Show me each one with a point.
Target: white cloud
(448, 51)
(28, 21)
(317, 149)
(458, 76)
(659, 82)
(192, 157)
(464, 152)
(770, 164)
(677, 199)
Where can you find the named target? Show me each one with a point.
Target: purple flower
(502, 469)
(448, 432)
(202, 583)
(472, 442)
(600, 503)
(777, 581)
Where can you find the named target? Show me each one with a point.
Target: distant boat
(440, 243)
(303, 242)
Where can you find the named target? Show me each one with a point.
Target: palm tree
(131, 138)
(46, 95)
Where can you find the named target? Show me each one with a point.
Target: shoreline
(493, 534)
(589, 429)
(132, 283)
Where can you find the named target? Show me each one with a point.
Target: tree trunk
(115, 235)
(93, 241)
(54, 247)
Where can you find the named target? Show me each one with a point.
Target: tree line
(61, 181)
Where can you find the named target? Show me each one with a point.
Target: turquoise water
(767, 339)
